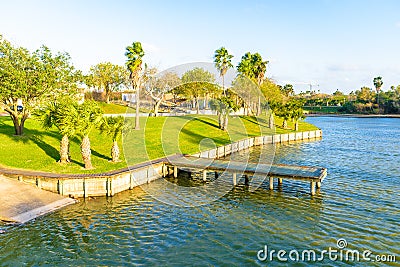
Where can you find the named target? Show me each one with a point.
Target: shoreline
(354, 115)
(113, 182)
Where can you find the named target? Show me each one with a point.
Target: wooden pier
(313, 175)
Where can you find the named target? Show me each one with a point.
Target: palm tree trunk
(64, 149)
(223, 85)
(115, 152)
(86, 152)
(197, 105)
(137, 122)
(271, 121)
(284, 124)
(226, 121)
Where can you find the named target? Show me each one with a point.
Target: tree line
(46, 86)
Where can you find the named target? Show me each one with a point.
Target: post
(204, 175)
(85, 188)
(20, 178)
(175, 171)
(234, 179)
(164, 170)
(246, 179)
(280, 181)
(318, 184)
(216, 175)
(271, 183)
(38, 183)
(312, 188)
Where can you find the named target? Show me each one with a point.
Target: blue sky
(333, 43)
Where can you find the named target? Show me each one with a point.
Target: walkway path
(21, 202)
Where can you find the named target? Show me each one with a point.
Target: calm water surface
(358, 201)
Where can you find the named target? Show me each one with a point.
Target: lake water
(358, 202)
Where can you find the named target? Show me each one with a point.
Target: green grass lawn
(114, 108)
(38, 149)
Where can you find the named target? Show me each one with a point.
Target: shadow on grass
(99, 155)
(48, 149)
(258, 121)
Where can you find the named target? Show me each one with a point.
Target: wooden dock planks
(314, 175)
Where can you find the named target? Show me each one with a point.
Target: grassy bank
(38, 149)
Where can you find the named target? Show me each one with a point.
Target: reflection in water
(358, 201)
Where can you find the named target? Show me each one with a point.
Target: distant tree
(195, 83)
(135, 53)
(296, 109)
(223, 62)
(224, 105)
(365, 95)
(113, 127)
(61, 114)
(89, 117)
(157, 87)
(27, 79)
(287, 90)
(253, 67)
(284, 111)
(107, 76)
(378, 85)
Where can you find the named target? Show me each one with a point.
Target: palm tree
(297, 113)
(224, 105)
(89, 116)
(378, 84)
(135, 53)
(223, 62)
(61, 114)
(113, 127)
(253, 67)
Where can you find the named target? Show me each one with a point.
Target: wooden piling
(271, 183)
(280, 180)
(246, 179)
(234, 181)
(318, 185)
(204, 175)
(312, 188)
(175, 171)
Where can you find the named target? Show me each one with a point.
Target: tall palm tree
(113, 127)
(378, 84)
(135, 53)
(223, 62)
(61, 114)
(253, 67)
(89, 116)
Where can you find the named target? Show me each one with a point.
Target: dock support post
(216, 175)
(204, 175)
(175, 171)
(280, 181)
(164, 170)
(318, 184)
(38, 183)
(234, 179)
(246, 179)
(20, 178)
(312, 188)
(271, 183)
(85, 188)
